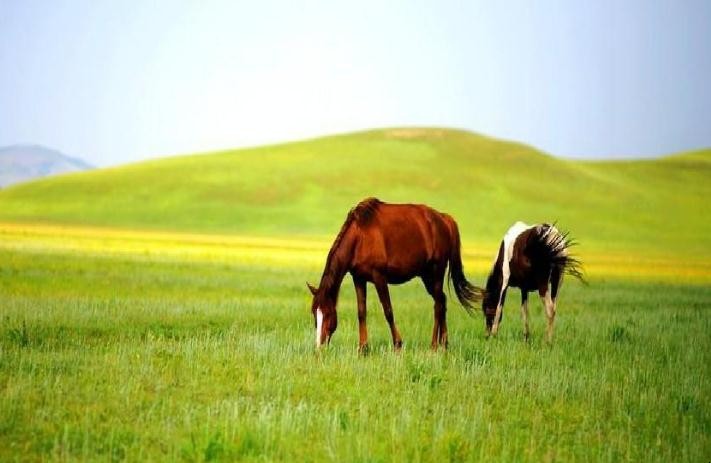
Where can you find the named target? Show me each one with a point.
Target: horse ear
(311, 288)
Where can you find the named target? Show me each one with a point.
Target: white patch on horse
(509, 241)
(319, 326)
(508, 247)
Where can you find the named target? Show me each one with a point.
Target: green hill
(306, 188)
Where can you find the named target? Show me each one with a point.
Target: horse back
(403, 240)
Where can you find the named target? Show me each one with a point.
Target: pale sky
(119, 81)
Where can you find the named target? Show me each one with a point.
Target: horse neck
(494, 282)
(493, 288)
(337, 265)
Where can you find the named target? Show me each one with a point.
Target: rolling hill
(20, 163)
(305, 189)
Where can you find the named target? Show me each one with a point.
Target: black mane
(551, 246)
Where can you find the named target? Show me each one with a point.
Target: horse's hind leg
(435, 331)
(360, 288)
(441, 310)
(550, 301)
(382, 287)
(549, 304)
(435, 286)
(524, 313)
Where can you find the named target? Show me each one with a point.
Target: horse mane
(553, 245)
(362, 214)
(364, 211)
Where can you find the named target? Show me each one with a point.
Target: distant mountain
(19, 163)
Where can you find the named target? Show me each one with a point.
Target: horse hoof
(397, 345)
(364, 349)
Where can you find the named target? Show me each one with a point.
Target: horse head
(323, 309)
(488, 306)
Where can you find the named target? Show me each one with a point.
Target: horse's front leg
(524, 313)
(360, 288)
(499, 311)
(381, 286)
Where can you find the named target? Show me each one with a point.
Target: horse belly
(398, 264)
(402, 267)
(524, 281)
(397, 275)
(395, 269)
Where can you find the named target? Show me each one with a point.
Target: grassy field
(158, 312)
(146, 352)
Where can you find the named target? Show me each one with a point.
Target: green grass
(306, 188)
(106, 357)
(158, 311)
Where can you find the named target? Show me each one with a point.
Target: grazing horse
(390, 244)
(530, 258)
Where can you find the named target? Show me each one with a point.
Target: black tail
(554, 245)
(467, 293)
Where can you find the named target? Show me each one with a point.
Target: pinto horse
(530, 258)
(386, 244)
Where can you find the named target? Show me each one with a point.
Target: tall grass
(127, 356)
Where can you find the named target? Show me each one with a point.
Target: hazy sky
(118, 81)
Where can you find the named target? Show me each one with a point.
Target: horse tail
(467, 293)
(555, 246)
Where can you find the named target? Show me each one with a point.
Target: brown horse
(391, 244)
(530, 258)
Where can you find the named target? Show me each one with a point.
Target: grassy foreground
(118, 345)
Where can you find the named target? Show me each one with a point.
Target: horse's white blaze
(319, 326)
